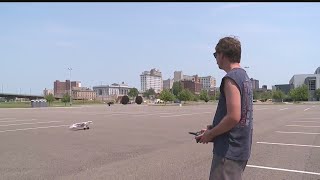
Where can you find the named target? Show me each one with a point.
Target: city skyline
(105, 43)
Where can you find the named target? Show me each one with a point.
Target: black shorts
(226, 169)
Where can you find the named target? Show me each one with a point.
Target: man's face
(218, 57)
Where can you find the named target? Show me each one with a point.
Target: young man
(231, 129)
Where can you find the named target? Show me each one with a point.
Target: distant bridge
(13, 96)
(10, 96)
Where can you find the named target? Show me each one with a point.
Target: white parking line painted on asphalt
(123, 113)
(306, 121)
(289, 132)
(29, 123)
(307, 109)
(281, 169)
(261, 109)
(6, 118)
(150, 114)
(283, 109)
(185, 114)
(294, 125)
(310, 118)
(18, 120)
(25, 129)
(283, 144)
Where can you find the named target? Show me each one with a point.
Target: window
(312, 85)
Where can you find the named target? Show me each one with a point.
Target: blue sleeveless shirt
(236, 143)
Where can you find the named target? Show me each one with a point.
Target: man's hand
(205, 137)
(208, 128)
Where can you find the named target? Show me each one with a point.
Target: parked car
(177, 101)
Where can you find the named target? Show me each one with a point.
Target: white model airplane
(80, 126)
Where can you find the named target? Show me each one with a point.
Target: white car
(80, 126)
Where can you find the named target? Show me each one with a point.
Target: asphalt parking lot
(151, 142)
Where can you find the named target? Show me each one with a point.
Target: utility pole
(70, 69)
(247, 67)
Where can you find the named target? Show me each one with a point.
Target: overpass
(9, 96)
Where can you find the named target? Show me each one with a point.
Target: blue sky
(107, 43)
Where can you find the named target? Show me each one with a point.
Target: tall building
(255, 84)
(151, 79)
(208, 82)
(178, 76)
(188, 78)
(264, 87)
(167, 84)
(46, 92)
(61, 88)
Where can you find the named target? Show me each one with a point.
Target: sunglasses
(215, 54)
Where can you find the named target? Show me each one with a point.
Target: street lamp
(247, 67)
(70, 69)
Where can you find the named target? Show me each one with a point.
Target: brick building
(61, 88)
(193, 85)
(83, 93)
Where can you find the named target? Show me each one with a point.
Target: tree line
(300, 93)
(178, 93)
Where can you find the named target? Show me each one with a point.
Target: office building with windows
(311, 80)
(151, 79)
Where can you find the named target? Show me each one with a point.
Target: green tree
(318, 94)
(177, 88)
(185, 95)
(124, 100)
(65, 99)
(204, 95)
(139, 100)
(197, 97)
(166, 95)
(50, 98)
(256, 95)
(149, 92)
(217, 94)
(278, 95)
(264, 96)
(300, 93)
(133, 92)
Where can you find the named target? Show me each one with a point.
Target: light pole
(247, 67)
(70, 69)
